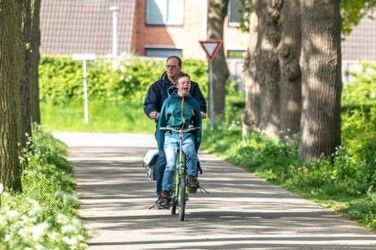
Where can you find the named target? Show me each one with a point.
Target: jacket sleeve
(197, 122)
(162, 122)
(151, 100)
(197, 94)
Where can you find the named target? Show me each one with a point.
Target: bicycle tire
(173, 207)
(182, 198)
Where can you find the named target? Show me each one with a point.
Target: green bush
(61, 78)
(362, 90)
(119, 92)
(44, 215)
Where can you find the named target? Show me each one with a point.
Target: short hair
(182, 74)
(177, 58)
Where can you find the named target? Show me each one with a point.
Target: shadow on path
(241, 211)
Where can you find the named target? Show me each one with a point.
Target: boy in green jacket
(179, 111)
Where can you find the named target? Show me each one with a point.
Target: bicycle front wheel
(182, 198)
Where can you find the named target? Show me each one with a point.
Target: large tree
(263, 86)
(11, 62)
(25, 121)
(35, 43)
(217, 13)
(321, 78)
(290, 82)
(251, 115)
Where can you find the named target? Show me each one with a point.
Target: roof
(84, 26)
(360, 44)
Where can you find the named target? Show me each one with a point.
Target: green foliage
(351, 12)
(347, 182)
(119, 92)
(361, 91)
(61, 78)
(45, 215)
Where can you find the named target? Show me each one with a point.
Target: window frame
(229, 14)
(168, 17)
(169, 51)
(229, 53)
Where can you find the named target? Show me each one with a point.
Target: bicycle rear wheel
(174, 205)
(182, 198)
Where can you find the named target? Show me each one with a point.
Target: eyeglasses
(171, 66)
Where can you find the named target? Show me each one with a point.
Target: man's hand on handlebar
(154, 115)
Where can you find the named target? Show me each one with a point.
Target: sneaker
(165, 200)
(193, 183)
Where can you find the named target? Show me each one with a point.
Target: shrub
(45, 215)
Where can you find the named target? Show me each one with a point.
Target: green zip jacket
(179, 112)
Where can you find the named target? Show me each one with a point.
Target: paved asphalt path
(241, 211)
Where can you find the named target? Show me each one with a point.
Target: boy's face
(184, 85)
(172, 68)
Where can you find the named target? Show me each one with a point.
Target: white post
(115, 13)
(211, 96)
(84, 58)
(86, 99)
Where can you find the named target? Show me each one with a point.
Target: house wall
(185, 37)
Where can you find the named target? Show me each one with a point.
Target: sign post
(211, 48)
(84, 58)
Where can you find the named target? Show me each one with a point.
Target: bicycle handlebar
(179, 130)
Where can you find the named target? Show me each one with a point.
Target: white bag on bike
(149, 162)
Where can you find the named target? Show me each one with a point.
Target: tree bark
(25, 123)
(251, 115)
(267, 64)
(10, 78)
(321, 78)
(35, 56)
(290, 84)
(216, 16)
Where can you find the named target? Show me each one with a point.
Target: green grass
(45, 214)
(103, 117)
(346, 185)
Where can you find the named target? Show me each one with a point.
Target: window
(236, 54)
(164, 12)
(235, 12)
(162, 52)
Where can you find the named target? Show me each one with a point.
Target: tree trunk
(251, 115)
(35, 43)
(321, 78)
(11, 53)
(267, 64)
(25, 124)
(216, 16)
(290, 84)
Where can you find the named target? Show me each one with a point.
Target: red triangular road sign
(211, 47)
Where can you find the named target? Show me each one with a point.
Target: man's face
(183, 85)
(172, 68)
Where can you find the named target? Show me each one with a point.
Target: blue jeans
(170, 148)
(160, 168)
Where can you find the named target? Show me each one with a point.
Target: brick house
(158, 28)
(155, 28)
(359, 45)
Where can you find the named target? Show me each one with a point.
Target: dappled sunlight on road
(241, 211)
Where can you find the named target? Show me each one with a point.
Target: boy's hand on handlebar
(203, 115)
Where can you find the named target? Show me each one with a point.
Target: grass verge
(45, 214)
(345, 186)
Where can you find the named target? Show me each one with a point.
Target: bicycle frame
(180, 189)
